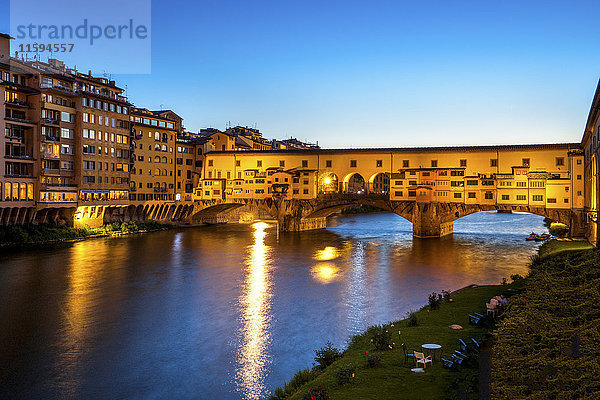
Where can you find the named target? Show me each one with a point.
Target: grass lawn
(556, 246)
(393, 378)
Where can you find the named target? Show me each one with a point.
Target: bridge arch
(354, 183)
(329, 183)
(379, 183)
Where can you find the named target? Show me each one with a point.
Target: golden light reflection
(328, 253)
(255, 315)
(325, 272)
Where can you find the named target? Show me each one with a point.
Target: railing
(57, 87)
(51, 171)
(157, 189)
(51, 121)
(19, 157)
(47, 184)
(17, 103)
(49, 138)
(49, 155)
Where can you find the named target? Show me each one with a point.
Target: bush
(345, 374)
(327, 355)
(558, 230)
(373, 360)
(380, 337)
(316, 393)
(434, 301)
(516, 277)
(412, 319)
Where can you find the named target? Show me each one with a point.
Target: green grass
(393, 379)
(547, 347)
(555, 246)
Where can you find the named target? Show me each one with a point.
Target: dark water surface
(225, 312)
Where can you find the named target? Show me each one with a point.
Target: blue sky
(377, 73)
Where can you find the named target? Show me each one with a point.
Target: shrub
(373, 360)
(516, 277)
(380, 337)
(327, 355)
(434, 301)
(446, 295)
(345, 374)
(412, 319)
(316, 393)
(559, 230)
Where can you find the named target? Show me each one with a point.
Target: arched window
(164, 147)
(156, 136)
(157, 159)
(30, 191)
(165, 173)
(164, 159)
(7, 191)
(157, 172)
(15, 191)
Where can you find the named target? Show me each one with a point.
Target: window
(551, 200)
(537, 197)
(471, 195)
(398, 183)
(457, 173)
(521, 197)
(352, 163)
(493, 162)
(405, 163)
(579, 193)
(304, 163)
(560, 161)
(398, 193)
(488, 195)
(237, 163)
(525, 162)
(66, 133)
(210, 163)
(521, 184)
(578, 177)
(412, 193)
(327, 163)
(259, 163)
(434, 164)
(305, 191)
(379, 163)
(281, 163)
(506, 197)
(472, 182)
(457, 195)
(463, 163)
(579, 162)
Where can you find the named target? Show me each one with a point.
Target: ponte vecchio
(429, 186)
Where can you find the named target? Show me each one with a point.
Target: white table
(431, 347)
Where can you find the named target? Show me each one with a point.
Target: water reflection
(325, 272)
(253, 357)
(328, 253)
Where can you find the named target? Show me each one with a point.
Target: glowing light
(325, 272)
(255, 304)
(328, 253)
(327, 180)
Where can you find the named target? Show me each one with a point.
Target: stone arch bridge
(429, 219)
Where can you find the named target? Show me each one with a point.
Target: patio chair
(408, 353)
(450, 364)
(463, 345)
(421, 359)
(475, 344)
(490, 310)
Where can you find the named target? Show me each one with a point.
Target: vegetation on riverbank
(47, 233)
(365, 209)
(383, 372)
(547, 345)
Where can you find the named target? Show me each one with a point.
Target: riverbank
(392, 377)
(547, 345)
(41, 234)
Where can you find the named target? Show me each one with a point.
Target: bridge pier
(431, 221)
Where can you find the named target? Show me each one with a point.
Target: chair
(463, 345)
(490, 310)
(449, 364)
(421, 359)
(474, 319)
(408, 353)
(475, 343)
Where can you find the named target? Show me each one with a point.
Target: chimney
(89, 72)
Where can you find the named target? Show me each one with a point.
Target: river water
(225, 312)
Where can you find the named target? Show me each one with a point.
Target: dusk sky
(378, 73)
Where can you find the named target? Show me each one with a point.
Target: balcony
(50, 156)
(51, 171)
(56, 184)
(48, 138)
(17, 103)
(50, 121)
(18, 175)
(60, 88)
(160, 190)
(25, 157)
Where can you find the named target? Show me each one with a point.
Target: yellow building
(591, 145)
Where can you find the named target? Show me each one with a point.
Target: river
(229, 311)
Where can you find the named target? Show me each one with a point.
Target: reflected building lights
(325, 272)
(328, 253)
(252, 359)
